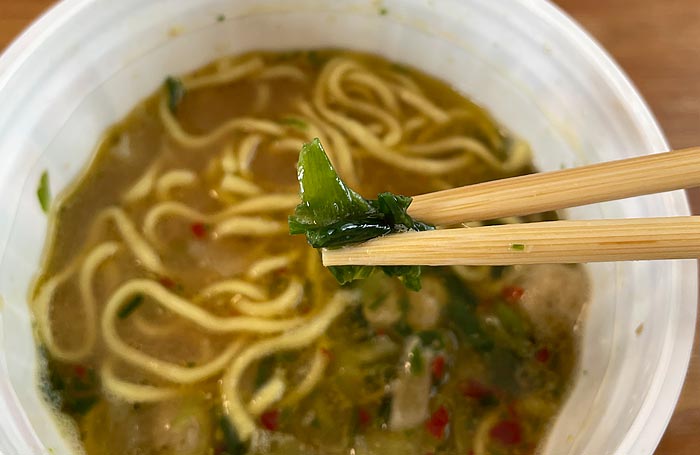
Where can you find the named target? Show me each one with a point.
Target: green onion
(517, 247)
(417, 361)
(383, 11)
(314, 59)
(232, 443)
(265, 369)
(43, 192)
(220, 18)
(176, 91)
(130, 307)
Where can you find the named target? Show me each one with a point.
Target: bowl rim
(652, 420)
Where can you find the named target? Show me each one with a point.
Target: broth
(177, 316)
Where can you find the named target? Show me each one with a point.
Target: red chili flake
(199, 230)
(282, 271)
(437, 422)
(80, 371)
(507, 432)
(328, 353)
(270, 419)
(363, 417)
(471, 452)
(512, 294)
(474, 389)
(380, 331)
(542, 355)
(437, 367)
(166, 282)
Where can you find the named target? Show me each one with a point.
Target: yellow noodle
(270, 264)
(268, 394)
(342, 156)
(246, 152)
(414, 123)
(95, 258)
(137, 244)
(242, 124)
(225, 75)
(336, 94)
(130, 392)
(167, 370)
(370, 142)
(45, 295)
(248, 226)
(422, 104)
(295, 338)
(378, 86)
(143, 185)
(313, 376)
(263, 95)
(173, 179)
(239, 186)
(453, 144)
(288, 144)
(228, 160)
(286, 301)
(241, 287)
(282, 72)
(481, 436)
(153, 329)
(268, 203)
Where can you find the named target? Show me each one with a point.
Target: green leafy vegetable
(265, 369)
(43, 192)
(176, 91)
(315, 59)
(130, 307)
(332, 215)
(461, 313)
(232, 443)
(417, 361)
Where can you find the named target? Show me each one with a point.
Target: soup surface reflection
(178, 316)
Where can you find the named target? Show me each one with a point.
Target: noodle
(296, 338)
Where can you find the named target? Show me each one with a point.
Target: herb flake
(130, 307)
(43, 192)
(517, 247)
(176, 91)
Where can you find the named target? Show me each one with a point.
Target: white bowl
(82, 67)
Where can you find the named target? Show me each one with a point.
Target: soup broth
(178, 316)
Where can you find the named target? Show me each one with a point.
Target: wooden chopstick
(531, 243)
(555, 190)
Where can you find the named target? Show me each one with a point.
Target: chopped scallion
(130, 307)
(43, 192)
(176, 91)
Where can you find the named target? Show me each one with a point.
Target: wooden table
(658, 44)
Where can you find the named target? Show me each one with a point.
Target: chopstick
(531, 243)
(555, 190)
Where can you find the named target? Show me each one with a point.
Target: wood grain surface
(657, 42)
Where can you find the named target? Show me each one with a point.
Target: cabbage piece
(332, 215)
